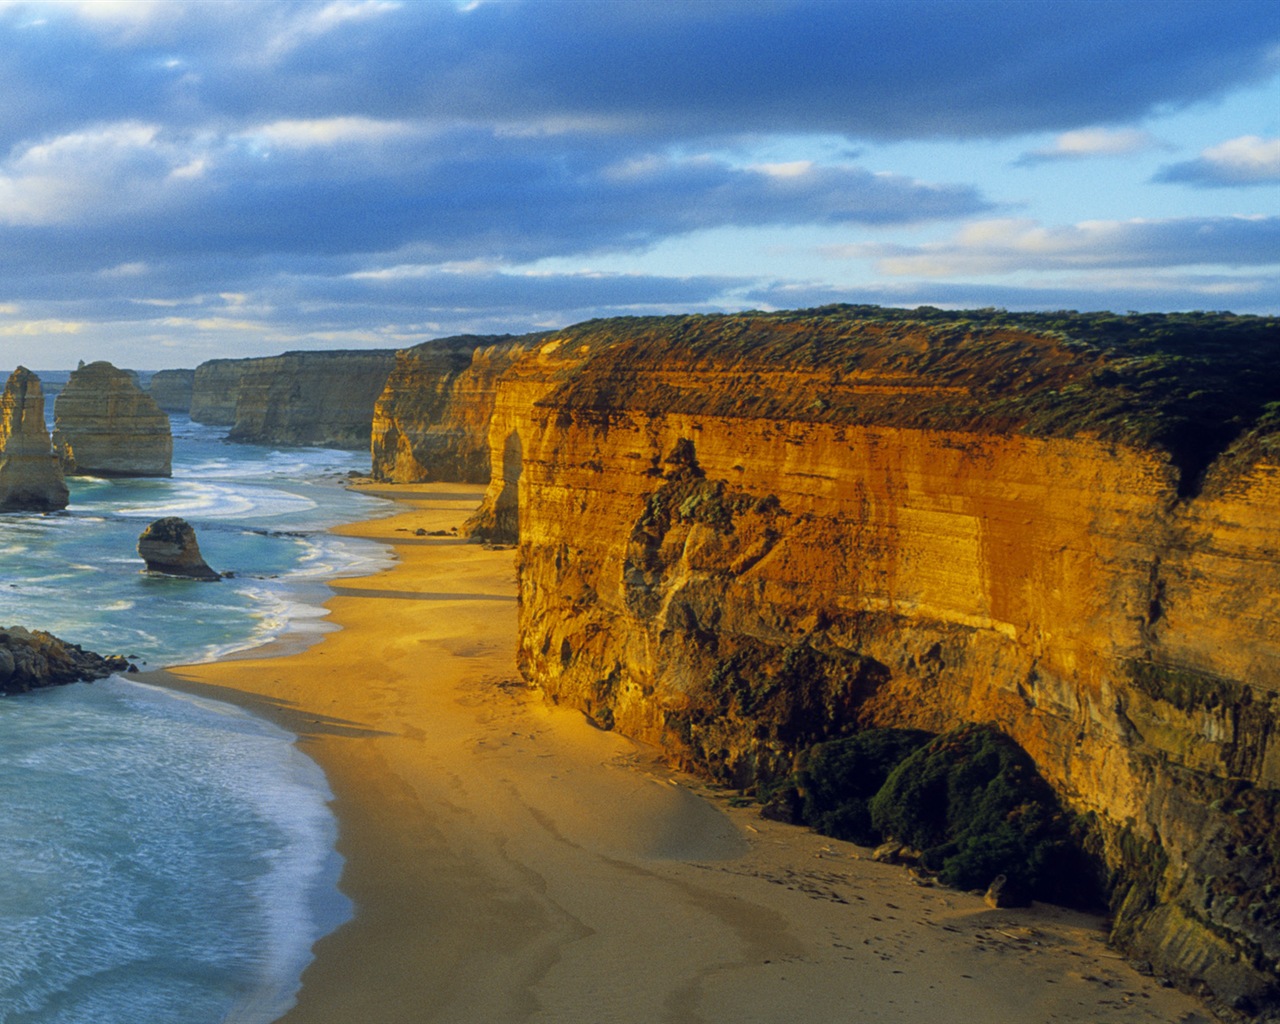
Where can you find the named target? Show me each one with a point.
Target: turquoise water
(168, 858)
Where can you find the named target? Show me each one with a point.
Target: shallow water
(168, 858)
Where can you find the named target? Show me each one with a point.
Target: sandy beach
(509, 862)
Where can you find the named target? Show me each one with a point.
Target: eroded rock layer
(743, 535)
(172, 389)
(105, 425)
(298, 398)
(431, 421)
(31, 479)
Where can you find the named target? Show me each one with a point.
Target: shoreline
(509, 862)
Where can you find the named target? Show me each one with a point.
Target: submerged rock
(169, 548)
(31, 659)
(30, 477)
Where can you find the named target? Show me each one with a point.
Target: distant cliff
(298, 398)
(740, 536)
(431, 421)
(105, 425)
(30, 477)
(172, 389)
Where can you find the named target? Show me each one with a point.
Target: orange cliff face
(431, 421)
(741, 536)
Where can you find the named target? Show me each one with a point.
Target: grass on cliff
(970, 801)
(1192, 384)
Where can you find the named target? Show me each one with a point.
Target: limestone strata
(172, 389)
(31, 659)
(105, 425)
(431, 421)
(30, 477)
(215, 389)
(298, 398)
(741, 536)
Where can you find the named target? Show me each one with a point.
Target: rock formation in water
(171, 389)
(169, 548)
(740, 536)
(105, 425)
(30, 659)
(30, 477)
(298, 398)
(431, 421)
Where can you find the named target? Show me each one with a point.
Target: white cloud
(1245, 160)
(1084, 143)
(299, 133)
(991, 247)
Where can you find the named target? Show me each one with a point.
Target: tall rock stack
(105, 425)
(30, 477)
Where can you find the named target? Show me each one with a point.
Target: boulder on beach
(169, 548)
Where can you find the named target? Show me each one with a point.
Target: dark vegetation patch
(970, 801)
(1191, 384)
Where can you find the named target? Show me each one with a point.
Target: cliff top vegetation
(1194, 385)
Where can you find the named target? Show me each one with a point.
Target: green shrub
(839, 778)
(973, 803)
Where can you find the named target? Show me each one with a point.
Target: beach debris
(169, 548)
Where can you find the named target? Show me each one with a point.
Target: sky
(187, 181)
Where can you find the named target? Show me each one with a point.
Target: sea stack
(106, 425)
(169, 548)
(30, 477)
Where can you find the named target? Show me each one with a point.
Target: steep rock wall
(172, 389)
(30, 477)
(215, 389)
(738, 541)
(105, 425)
(431, 421)
(310, 398)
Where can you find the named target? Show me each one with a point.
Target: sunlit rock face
(298, 398)
(743, 535)
(105, 425)
(171, 389)
(31, 479)
(431, 421)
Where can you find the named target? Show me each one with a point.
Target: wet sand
(509, 862)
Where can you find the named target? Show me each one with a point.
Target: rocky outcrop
(215, 389)
(30, 478)
(298, 398)
(172, 389)
(740, 536)
(169, 548)
(31, 659)
(105, 425)
(431, 421)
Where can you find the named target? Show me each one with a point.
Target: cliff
(30, 477)
(298, 398)
(105, 425)
(172, 389)
(740, 536)
(431, 421)
(215, 388)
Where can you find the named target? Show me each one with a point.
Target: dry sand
(509, 862)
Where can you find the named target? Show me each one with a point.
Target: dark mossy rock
(33, 659)
(837, 780)
(973, 803)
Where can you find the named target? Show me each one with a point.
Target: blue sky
(180, 182)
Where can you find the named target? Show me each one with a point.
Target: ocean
(169, 858)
